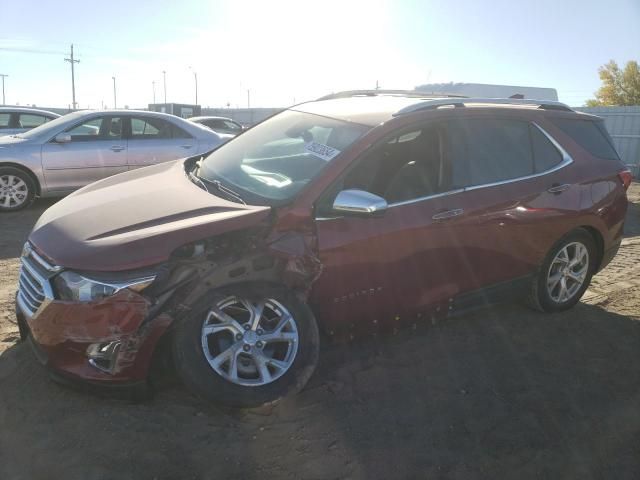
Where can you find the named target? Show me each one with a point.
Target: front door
(97, 150)
(386, 269)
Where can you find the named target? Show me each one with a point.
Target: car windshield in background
(277, 158)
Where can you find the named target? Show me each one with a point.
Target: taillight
(626, 177)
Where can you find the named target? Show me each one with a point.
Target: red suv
(357, 211)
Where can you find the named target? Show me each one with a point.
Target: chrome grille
(34, 289)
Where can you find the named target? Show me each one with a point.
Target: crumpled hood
(136, 219)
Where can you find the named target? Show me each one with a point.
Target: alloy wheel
(568, 272)
(249, 342)
(13, 191)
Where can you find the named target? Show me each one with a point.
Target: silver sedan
(79, 148)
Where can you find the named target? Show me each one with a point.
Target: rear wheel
(247, 345)
(565, 274)
(17, 189)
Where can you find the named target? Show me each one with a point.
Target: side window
(546, 155)
(4, 120)
(484, 151)
(29, 120)
(407, 166)
(142, 129)
(590, 135)
(155, 128)
(101, 128)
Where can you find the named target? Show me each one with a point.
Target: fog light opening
(103, 356)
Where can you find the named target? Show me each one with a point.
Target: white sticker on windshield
(325, 152)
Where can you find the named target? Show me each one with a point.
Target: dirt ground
(502, 393)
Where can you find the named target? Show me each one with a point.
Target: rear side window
(155, 128)
(590, 135)
(484, 151)
(546, 155)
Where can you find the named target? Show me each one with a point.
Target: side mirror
(359, 202)
(62, 138)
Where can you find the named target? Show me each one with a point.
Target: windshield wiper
(203, 182)
(226, 190)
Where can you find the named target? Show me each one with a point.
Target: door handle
(117, 148)
(555, 188)
(448, 214)
(186, 146)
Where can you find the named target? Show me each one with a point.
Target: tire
(546, 295)
(245, 383)
(17, 189)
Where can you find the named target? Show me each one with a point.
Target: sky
(279, 52)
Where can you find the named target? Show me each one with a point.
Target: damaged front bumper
(107, 342)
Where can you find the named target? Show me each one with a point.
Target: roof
(371, 108)
(28, 110)
(367, 110)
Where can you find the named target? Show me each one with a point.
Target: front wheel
(17, 189)
(247, 345)
(565, 274)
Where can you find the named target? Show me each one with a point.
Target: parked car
(219, 124)
(20, 119)
(347, 215)
(69, 152)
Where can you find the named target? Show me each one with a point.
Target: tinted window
(101, 128)
(592, 136)
(155, 128)
(485, 151)
(546, 155)
(410, 165)
(4, 120)
(29, 120)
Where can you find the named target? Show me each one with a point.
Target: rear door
(515, 199)
(154, 140)
(97, 150)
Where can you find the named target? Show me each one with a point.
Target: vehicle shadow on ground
(16, 226)
(502, 393)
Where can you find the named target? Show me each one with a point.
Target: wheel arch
(26, 170)
(598, 239)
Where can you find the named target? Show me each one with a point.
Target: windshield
(277, 158)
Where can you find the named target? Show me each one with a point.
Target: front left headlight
(72, 286)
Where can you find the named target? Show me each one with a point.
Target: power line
(73, 79)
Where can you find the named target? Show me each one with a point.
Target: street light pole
(114, 93)
(195, 77)
(3, 76)
(153, 84)
(164, 77)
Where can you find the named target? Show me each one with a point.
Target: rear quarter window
(590, 135)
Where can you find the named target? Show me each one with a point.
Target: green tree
(619, 87)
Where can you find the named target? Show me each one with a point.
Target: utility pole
(114, 93)
(3, 77)
(164, 77)
(153, 85)
(73, 79)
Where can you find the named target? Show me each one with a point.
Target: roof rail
(373, 93)
(462, 102)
